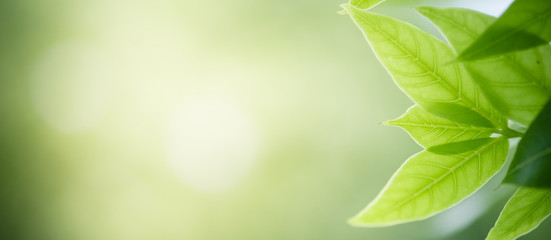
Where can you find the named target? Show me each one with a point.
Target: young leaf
(365, 4)
(428, 183)
(459, 147)
(420, 64)
(525, 24)
(518, 84)
(526, 209)
(429, 130)
(532, 162)
(459, 113)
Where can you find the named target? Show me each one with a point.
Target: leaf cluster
(467, 92)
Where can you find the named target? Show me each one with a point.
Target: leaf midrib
(451, 170)
(544, 152)
(525, 216)
(361, 2)
(492, 130)
(434, 75)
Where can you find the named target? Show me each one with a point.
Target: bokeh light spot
(212, 143)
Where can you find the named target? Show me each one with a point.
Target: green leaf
(420, 64)
(459, 147)
(526, 209)
(365, 4)
(429, 130)
(428, 183)
(518, 84)
(458, 113)
(525, 24)
(531, 165)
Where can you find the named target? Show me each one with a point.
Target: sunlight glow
(212, 143)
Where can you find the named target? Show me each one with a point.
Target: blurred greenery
(88, 95)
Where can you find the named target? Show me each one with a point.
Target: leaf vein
(450, 171)
(433, 73)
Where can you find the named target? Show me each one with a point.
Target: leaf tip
(363, 219)
(348, 8)
(424, 10)
(354, 221)
(510, 180)
(358, 221)
(345, 7)
(343, 11)
(470, 54)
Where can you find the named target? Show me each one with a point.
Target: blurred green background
(179, 119)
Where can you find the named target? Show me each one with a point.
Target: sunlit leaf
(428, 183)
(518, 83)
(420, 65)
(459, 147)
(531, 165)
(458, 113)
(365, 4)
(429, 130)
(525, 24)
(526, 209)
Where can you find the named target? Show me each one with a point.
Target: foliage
(524, 25)
(518, 84)
(532, 162)
(524, 212)
(463, 109)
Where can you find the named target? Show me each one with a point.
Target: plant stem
(510, 133)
